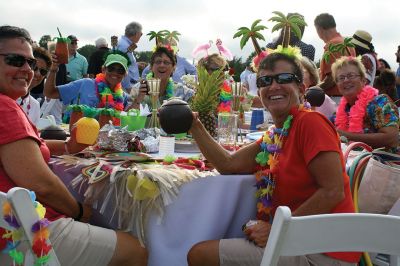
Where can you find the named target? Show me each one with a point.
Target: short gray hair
(132, 28)
(101, 42)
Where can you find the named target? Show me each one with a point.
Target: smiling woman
(23, 163)
(298, 162)
(162, 66)
(363, 115)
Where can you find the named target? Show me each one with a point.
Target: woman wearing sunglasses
(23, 163)
(103, 91)
(362, 114)
(298, 163)
(28, 103)
(162, 66)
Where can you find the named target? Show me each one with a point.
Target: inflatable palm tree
(252, 33)
(288, 24)
(158, 36)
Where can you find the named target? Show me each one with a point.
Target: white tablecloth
(207, 208)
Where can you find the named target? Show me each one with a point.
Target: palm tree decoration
(288, 24)
(341, 48)
(253, 33)
(158, 36)
(329, 52)
(171, 36)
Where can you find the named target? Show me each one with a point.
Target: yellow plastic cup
(87, 130)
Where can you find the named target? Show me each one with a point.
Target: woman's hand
(259, 233)
(196, 120)
(55, 64)
(87, 213)
(143, 91)
(72, 145)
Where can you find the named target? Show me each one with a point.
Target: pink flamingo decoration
(200, 48)
(223, 50)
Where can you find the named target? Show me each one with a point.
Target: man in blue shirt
(127, 44)
(77, 64)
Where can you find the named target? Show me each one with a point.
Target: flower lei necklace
(225, 98)
(354, 121)
(41, 234)
(107, 97)
(267, 159)
(169, 91)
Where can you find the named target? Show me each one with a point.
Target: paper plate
(255, 135)
(185, 146)
(127, 156)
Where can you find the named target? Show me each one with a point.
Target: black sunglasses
(282, 78)
(17, 60)
(42, 71)
(119, 70)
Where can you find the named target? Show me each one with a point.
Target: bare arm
(385, 137)
(50, 90)
(242, 161)
(326, 169)
(24, 164)
(327, 83)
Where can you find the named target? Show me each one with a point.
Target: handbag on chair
(380, 185)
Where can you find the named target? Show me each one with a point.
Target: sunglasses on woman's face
(117, 69)
(282, 78)
(17, 60)
(42, 71)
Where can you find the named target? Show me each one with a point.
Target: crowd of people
(297, 163)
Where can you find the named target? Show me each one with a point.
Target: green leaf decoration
(288, 122)
(262, 158)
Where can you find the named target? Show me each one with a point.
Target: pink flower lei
(354, 121)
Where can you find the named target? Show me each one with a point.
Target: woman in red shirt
(298, 163)
(23, 163)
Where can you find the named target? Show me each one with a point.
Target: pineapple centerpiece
(206, 99)
(88, 128)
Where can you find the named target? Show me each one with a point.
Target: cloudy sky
(202, 20)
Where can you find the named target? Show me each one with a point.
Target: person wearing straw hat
(365, 49)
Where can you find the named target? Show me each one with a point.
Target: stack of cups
(167, 145)
(257, 118)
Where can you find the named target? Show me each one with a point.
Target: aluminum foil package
(151, 144)
(115, 139)
(103, 140)
(147, 132)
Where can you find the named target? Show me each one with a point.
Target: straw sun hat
(363, 39)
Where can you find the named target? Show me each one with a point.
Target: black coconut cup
(175, 116)
(315, 96)
(53, 132)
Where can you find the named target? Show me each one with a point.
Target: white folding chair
(295, 236)
(23, 209)
(383, 259)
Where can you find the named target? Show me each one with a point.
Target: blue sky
(200, 21)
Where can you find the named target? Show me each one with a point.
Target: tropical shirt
(381, 112)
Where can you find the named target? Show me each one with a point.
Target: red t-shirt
(325, 67)
(15, 125)
(309, 134)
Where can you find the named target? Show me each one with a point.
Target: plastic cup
(227, 130)
(166, 146)
(257, 118)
